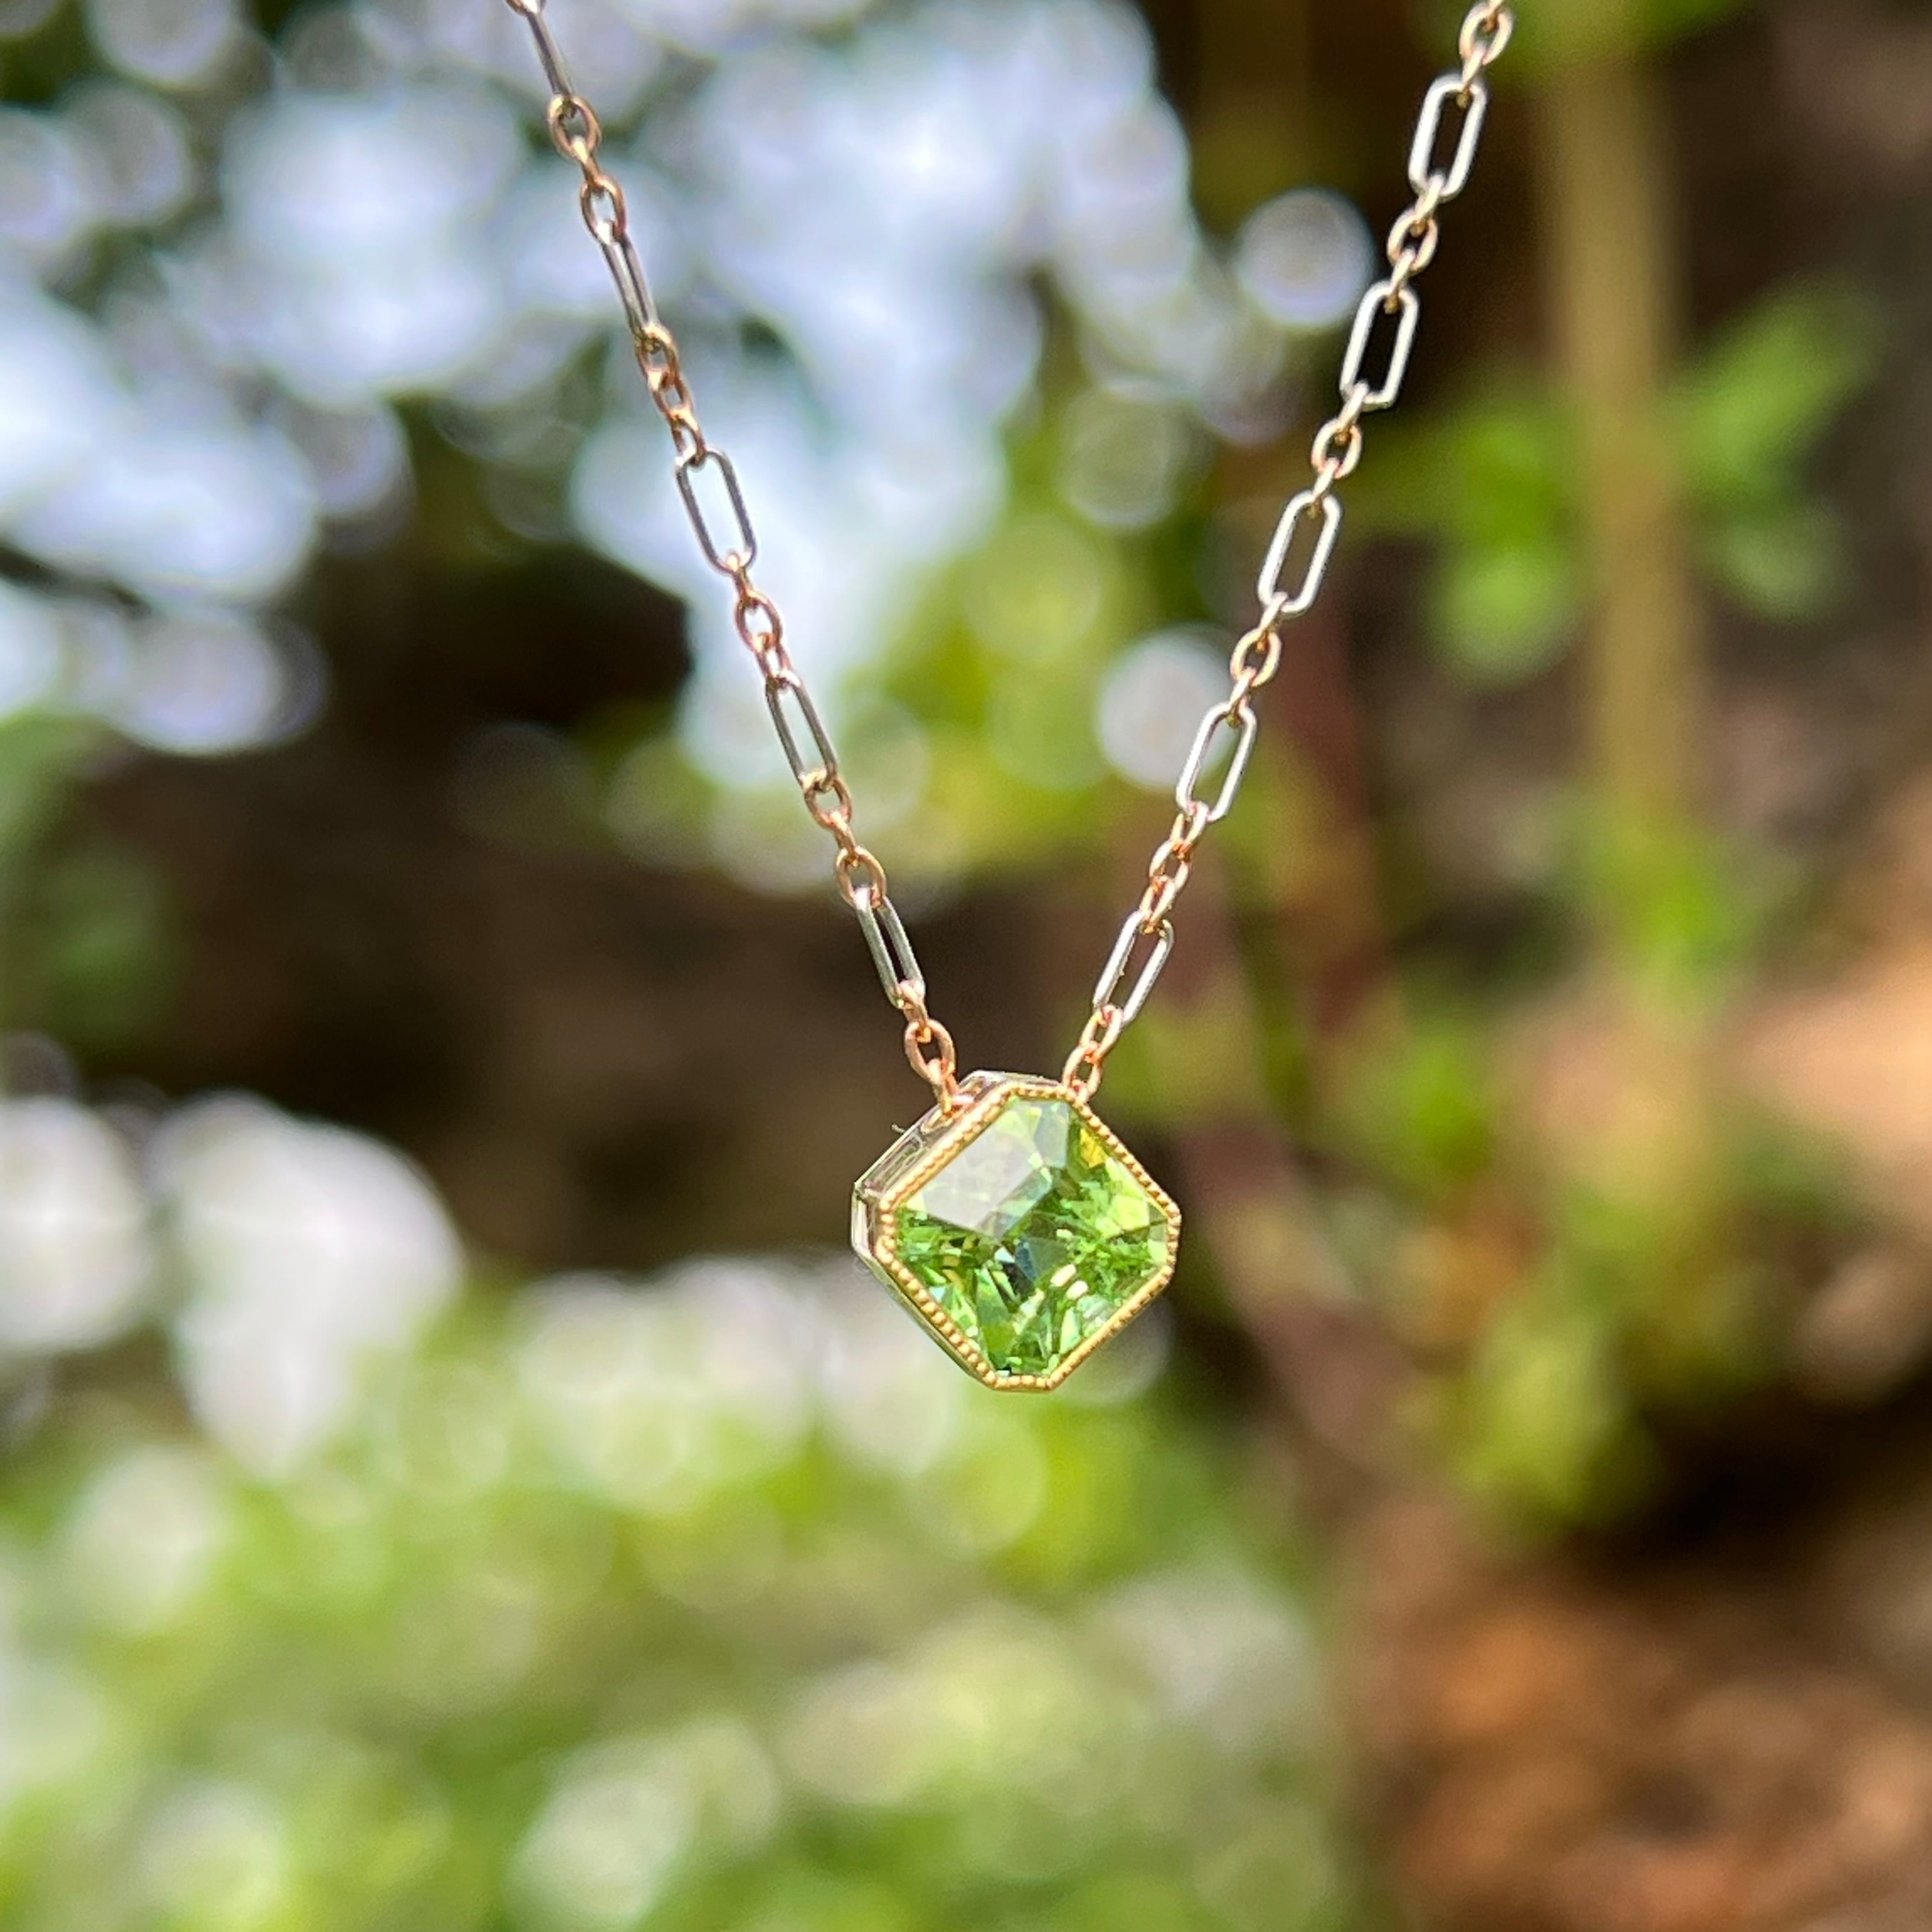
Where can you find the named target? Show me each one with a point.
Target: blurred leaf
(1144, 1901)
(102, 964)
(1690, 911)
(1039, 588)
(1420, 1106)
(1039, 728)
(40, 757)
(1753, 409)
(1541, 1424)
(1564, 30)
(1492, 480)
(1513, 463)
(1505, 613)
(1497, 469)
(1749, 417)
(1787, 561)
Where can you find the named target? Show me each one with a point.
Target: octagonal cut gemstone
(1022, 1230)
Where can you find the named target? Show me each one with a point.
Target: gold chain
(700, 465)
(1312, 521)
(1315, 515)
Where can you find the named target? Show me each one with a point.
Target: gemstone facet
(1019, 1230)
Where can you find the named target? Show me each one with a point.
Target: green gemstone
(1033, 1237)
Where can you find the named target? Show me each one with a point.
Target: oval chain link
(1453, 114)
(721, 521)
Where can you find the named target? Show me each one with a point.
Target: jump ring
(855, 859)
(580, 145)
(764, 636)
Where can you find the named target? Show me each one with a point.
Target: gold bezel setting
(932, 1144)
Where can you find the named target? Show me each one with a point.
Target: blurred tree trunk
(1611, 247)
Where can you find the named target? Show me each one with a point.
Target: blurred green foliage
(1492, 482)
(1421, 1111)
(1748, 418)
(84, 953)
(1583, 30)
(596, 1615)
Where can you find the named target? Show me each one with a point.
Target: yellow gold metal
(1087, 1062)
(983, 1097)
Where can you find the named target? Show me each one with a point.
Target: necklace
(1011, 1219)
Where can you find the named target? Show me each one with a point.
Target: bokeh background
(451, 1477)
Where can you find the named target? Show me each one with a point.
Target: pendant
(1017, 1228)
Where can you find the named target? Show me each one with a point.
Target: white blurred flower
(605, 1845)
(884, 200)
(988, 1489)
(75, 1262)
(754, 836)
(54, 1723)
(357, 457)
(60, 403)
(1152, 702)
(32, 653)
(334, 179)
(20, 18)
(308, 1250)
(549, 264)
(357, 220)
(998, 1698)
(202, 682)
(658, 1394)
(1305, 257)
(866, 1734)
(706, 26)
(1222, 1652)
(216, 1854)
(842, 526)
(172, 42)
(46, 199)
(335, 50)
(604, 37)
(891, 1400)
(1124, 457)
(624, 1814)
(1022, 1706)
(883, 206)
(144, 1536)
(202, 505)
(137, 142)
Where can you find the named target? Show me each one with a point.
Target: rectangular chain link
(1382, 299)
(706, 458)
(808, 773)
(1472, 98)
(1133, 934)
(633, 291)
(1324, 510)
(1232, 714)
(892, 951)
